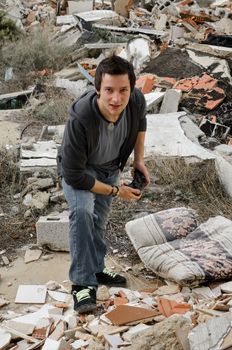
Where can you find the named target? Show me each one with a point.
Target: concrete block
(171, 101)
(53, 231)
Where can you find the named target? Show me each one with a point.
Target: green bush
(8, 29)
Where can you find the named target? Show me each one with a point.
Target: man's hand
(141, 167)
(128, 193)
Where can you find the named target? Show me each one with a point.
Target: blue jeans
(88, 217)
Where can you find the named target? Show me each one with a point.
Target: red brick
(145, 83)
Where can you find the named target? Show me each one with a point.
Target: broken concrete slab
(170, 101)
(169, 139)
(152, 100)
(106, 17)
(31, 165)
(114, 341)
(210, 334)
(68, 35)
(32, 255)
(20, 327)
(39, 154)
(35, 317)
(40, 149)
(157, 33)
(79, 6)
(66, 19)
(137, 330)
(5, 338)
(76, 88)
(218, 51)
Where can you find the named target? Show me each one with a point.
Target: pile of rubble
(168, 317)
(182, 55)
(181, 52)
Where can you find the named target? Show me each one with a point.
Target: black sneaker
(110, 278)
(84, 298)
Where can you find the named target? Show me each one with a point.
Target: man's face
(114, 95)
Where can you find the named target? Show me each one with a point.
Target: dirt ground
(56, 269)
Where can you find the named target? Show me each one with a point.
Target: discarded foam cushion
(161, 227)
(195, 255)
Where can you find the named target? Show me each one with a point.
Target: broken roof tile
(124, 314)
(145, 83)
(186, 85)
(170, 307)
(205, 82)
(212, 98)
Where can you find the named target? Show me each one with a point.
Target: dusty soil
(42, 271)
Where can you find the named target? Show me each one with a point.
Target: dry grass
(33, 52)
(9, 172)
(196, 184)
(54, 110)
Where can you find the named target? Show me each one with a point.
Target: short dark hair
(114, 65)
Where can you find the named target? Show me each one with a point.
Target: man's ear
(98, 93)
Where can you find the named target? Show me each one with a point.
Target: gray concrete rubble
(54, 325)
(182, 55)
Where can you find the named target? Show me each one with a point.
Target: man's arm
(125, 192)
(139, 155)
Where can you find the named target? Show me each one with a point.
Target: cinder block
(53, 231)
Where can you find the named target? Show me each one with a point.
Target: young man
(103, 129)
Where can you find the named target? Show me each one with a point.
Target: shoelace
(83, 294)
(109, 273)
